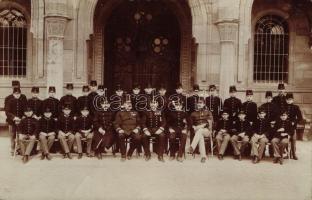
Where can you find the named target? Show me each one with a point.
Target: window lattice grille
(271, 50)
(13, 43)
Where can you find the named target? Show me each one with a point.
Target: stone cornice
(228, 30)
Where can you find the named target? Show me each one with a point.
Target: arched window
(271, 50)
(13, 43)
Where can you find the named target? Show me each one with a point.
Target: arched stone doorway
(142, 41)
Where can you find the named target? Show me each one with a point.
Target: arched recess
(99, 11)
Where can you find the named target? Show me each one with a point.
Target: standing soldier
(83, 101)
(35, 103)
(15, 84)
(177, 123)
(201, 121)
(127, 125)
(269, 107)
(66, 128)
(283, 129)
(28, 134)
(52, 103)
(92, 95)
(241, 131)
(250, 107)
(178, 95)
(214, 103)
(84, 128)
(118, 99)
(233, 104)
(260, 136)
(153, 124)
(69, 99)
(295, 116)
(163, 99)
(280, 99)
(137, 99)
(14, 110)
(103, 129)
(223, 129)
(192, 99)
(47, 132)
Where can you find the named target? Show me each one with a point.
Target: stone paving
(137, 179)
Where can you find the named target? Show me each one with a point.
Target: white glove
(281, 130)
(101, 130)
(136, 131)
(16, 119)
(159, 131)
(171, 130)
(121, 131)
(184, 131)
(146, 132)
(284, 134)
(242, 134)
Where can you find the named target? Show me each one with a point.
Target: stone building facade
(219, 44)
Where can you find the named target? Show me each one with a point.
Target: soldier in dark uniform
(233, 104)
(163, 99)
(137, 99)
(283, 129)
(52, 103)
(14, 110)
(200, 121)
(35, 103)
(178, 95)
(28, 133)
(69, 99)
(84, 129)
(92, 95)
(271, 111)
(177, 124)
(15, 84)
(192, 99)
(103, 129)
(66, 129)
(153, 124)
(260, 129)
(83, 101)
(295, 116)
(241, 131)
(269, 107)
(223, 129)
(214, 103)
(118, 99)
(280, 99)
(127, 125)
(47, 132)
(250, 107)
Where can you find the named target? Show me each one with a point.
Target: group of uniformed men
(104, 121)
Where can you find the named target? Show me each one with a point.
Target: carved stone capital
(55, 27)
(55, 8)
(228, 30)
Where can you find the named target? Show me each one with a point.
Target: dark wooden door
(142, 45)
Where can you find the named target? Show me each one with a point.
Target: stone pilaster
(55, 24)
(228, 37)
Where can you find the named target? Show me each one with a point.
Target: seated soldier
(84, 129)
(241, 132)
(201, 121)
(260, 136)
(127, 125)
(66, 128)
(177, 122)
(283, 129)
(47, 131)
(224, 127)
(28, 133)
(153, 124)
(103, 129)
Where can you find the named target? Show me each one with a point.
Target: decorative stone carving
(55, 27)
(55, 8)
(228, 30)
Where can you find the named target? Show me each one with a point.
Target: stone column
(228, 38)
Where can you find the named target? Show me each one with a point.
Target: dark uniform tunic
(29, 126)
(234, 105)
(47, 125)
(280, 101)
(286, 124)
(271, 110)
(7, 101)
(36, 105)
(153, 121)
(250, 108)
(104, 120)
(82, 102)
(214, 104)
(92, 97)
(240, 126)
(116, 102)
(127, 121)
(200, 117)
(83, 123)
(53, 104)
(66, 123)
(261, 126)
(15, 108)
(191, 103)
(226, 125)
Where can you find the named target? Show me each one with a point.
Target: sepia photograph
(155, 99)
